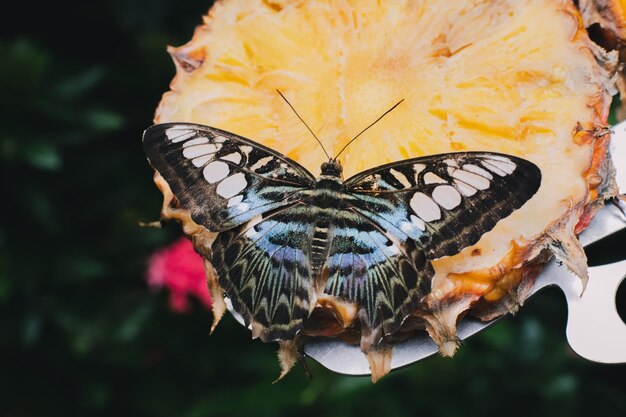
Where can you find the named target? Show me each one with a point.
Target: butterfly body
(285, 237)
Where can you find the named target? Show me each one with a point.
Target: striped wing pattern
(372, 239)
(387, 278)
(264, 267)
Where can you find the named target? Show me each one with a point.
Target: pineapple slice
(517, 77)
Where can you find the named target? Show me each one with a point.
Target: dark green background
(80, 332)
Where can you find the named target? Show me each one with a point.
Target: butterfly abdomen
(322, 211)
(319, 245)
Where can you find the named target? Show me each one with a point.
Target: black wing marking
(224, 179)
(445, 202)
(264, 268)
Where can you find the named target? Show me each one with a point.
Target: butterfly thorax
(330, 178)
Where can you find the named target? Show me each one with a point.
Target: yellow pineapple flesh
(516, 77)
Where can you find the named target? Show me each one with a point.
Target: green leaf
(23, 68)
(44, 156)
(103, 120)
(74, 87)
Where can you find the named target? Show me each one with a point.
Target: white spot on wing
(425, 207)
(402, 179)
(232, 185)
(202, 160)
(199, 150)
(235, 201)
(477, 181)
(261, 163)
(432, 178)
(246, 149)
(501, 158)
(493, 168)
(418, 168)
(447, 196)
(196, 141)
(477, 170)
(465, 189)
(232, 157)
(507, 167)
(419, 223)
(215, 171)
(176, 134)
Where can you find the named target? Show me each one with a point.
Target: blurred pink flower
(179, 268)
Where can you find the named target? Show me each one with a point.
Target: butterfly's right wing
(223, 179)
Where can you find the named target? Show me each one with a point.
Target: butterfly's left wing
(403, 215)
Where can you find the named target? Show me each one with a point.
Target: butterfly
(285, 236)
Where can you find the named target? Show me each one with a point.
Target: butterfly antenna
(302, 120)
(363, 131)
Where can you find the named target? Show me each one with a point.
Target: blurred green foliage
(80, 332)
